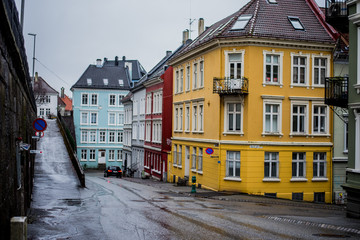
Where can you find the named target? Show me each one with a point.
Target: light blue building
(99, 113)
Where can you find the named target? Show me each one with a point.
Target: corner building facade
(251, 88)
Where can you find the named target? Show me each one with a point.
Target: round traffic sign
(39, 125)
(40, 134)
(209, 151)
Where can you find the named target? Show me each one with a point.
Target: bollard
(193, 187)
(18, 228)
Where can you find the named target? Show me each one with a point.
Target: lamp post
(33, 66)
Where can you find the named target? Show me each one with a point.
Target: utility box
(18, 227)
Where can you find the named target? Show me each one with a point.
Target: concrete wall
(17, 112)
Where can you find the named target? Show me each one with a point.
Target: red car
(113, 171)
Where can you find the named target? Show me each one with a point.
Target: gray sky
(71, 34)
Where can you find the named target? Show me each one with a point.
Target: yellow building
(250, 88)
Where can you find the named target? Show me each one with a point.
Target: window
(175, 154)
(94, 99)
(299, 119)
(176, 118)
(92, 137)
(112, 118)
(92, 155)
(121, 82)
(201, 118)
(84, 136)
(241, 22)
(148, 103)
(233, 164)
(194, 118)
(194, 159)
(299, 70)
(111, 155)
(235, 61)
(187, 154)
(180, 118)
(319, 165)
(195, 75)
(42, 112)
(119, 137)
(106, 81)
(148, 132)
(200, 160)
(201, 73)
(111, 137)
(119, 155)
(346, 133)
(298, 165)
(272, 67)
(319, 119)
(297, 196)
(120, 119)
(102, 136)
(83, 155)
(89, 81)
(120, 97)
(233, 115)
(47, 111)
(319, 197)
(181, 80)
(176, 81)
(112, 100)
(93, 118)
(296, 23)
(84, 99)
(272, 118)
(320, 69)
(187, 118)
(179, 158)
(187, 83)
(271, 165)
(84, 117)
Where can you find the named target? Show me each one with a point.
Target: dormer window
(121, 82)
(241, 22)
(106, 81)
(296, 23)
(89, 82)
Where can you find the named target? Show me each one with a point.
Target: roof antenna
(191, 21)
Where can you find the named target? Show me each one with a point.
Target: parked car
(113, 171)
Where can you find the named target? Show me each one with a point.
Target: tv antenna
(191, 21)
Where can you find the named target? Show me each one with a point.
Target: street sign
(39, 134)
(39, 125)
(25, 146)
(209, 151)
(36, 151)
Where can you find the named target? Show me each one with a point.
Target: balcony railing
(336, 14)
(336, 91)
(231, 86)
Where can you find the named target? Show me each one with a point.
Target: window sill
(298, 180)
(353, 170)
(233, 133)
(146, 167)
(200, 172)
(234, 179)
(178, 131)
(299, 85)
(317, 86)
(198, 132)
(111, 160)
(83, 160)
(193, 170)
(272, 134)
(299, 135)
(179, 166)
(271, 180)
(272, 84)
(119, 160)
(92, 160)
(320, 179)
(320, 135)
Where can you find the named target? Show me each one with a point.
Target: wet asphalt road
(112, 208)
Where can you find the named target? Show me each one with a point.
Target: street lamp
(33, 67)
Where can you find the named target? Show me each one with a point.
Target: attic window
(241, 22)
(121, 82)
(106, 81)
(296, 23)
(89, 82)
(272, 1)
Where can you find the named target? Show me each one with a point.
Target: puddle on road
(73, 202)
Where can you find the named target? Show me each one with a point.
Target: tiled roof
(113, 73)
(68, 103)
(269, 21)
(42, 87)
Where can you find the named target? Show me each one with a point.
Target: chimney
(98, 63)
(116, 61)
(62, 92)
(201, 26)
(105, 60)
(168, 53)
(185, 35)
(124, 58)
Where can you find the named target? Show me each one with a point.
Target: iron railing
(231, 86)
(337, 91)
(336, 14)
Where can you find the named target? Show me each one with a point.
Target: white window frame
(111, 155)
(194, 117)
(148, 132)
(187, 81)
(121, 136)
(195, 75)
(194, 159)
(84, 136)
(327, 72)
(306, 119)
(114, 117)
(280, 65)
(111, 137)
(102, 136)
(357, 139)
(226, 116)
(90, 118)
(148, 103)
(92, 155)
(200, 160)
(297, 161)
(270, 161)
(119, 156)
(327, 120)
(179, 158)
(83, 155)
(92, 134)
(81, 118)
(91, 100)
(82, 97)
(317, 161)
(279, 125)
(175, 155)
(202, 73)
(227, 61)
(181, 87)
(231, 157)
(307, 70)
(176, 90)
(120, 118)
(187, 117)
(110, 97)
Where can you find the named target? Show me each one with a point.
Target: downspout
(219, 144)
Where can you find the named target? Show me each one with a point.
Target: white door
(102, 155)
(187, 161)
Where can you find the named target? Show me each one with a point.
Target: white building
(46, 98)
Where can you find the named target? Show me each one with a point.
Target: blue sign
(39, 125)
(209, 151)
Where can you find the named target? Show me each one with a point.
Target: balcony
(336, 91)
(336, 14)
(231, 86)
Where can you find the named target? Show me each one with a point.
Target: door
(187, 161)
(102, 157)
